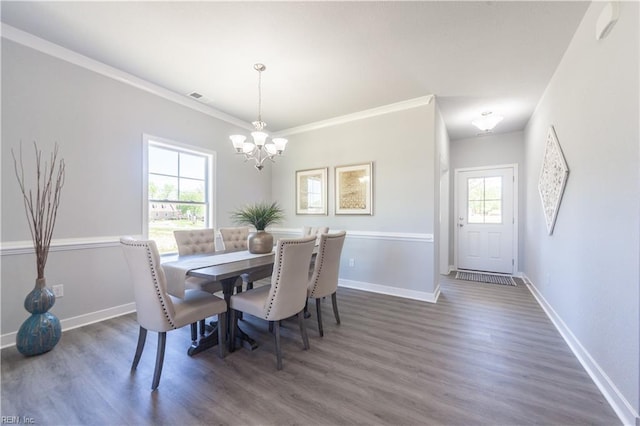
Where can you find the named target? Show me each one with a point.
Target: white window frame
(163, 142)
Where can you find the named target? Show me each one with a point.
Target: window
(484, 200)
(179, 190)
(314, 193)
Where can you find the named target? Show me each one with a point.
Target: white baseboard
(392, 291)
(9, 339)
(617, 401)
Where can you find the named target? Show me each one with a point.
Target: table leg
(211, 339)
(205, 342)
(242, 338)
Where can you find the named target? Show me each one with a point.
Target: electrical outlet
(352, 263)
(58, 290)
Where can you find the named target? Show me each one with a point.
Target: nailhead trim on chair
(278, 274)
(320, 266)
(156, 285)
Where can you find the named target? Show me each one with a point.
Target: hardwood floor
(484, 354)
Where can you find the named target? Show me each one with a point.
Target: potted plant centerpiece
(41, 331)
(259, 215)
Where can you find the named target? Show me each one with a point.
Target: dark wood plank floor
(484, 354)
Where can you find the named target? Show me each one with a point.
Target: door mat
(485, 278)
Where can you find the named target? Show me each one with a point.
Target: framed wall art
(311, 191)
(553, 179)
(354, 189)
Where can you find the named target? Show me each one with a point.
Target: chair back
(324, 280)
(288, 292)
(154, 306)
(315, 230)
(235, 238)
(195, 241)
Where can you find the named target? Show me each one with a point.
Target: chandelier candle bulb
(238, 142)
(280, 143)
(248, 147)
(259, 138)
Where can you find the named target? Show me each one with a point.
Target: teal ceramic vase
(41, 331)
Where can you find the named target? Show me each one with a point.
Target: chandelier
(258, 150)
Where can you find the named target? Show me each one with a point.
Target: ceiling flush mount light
(487, 122)
(258, 150)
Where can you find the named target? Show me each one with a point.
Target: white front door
(485, 220)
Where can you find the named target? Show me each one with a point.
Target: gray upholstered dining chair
(313, 230)
(285, 296)
(198, 241)
(324, 280)
(195, 241)
(157, 310)
(235, 238)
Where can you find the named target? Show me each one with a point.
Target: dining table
(222, 266)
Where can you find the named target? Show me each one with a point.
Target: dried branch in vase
(41, 208)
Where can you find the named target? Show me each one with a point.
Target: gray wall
(587, 271)
(490, 150)
(98, 123)
(404, 191)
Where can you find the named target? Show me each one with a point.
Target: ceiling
(324, 59)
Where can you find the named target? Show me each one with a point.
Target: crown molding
(385, 109)
(29, 40)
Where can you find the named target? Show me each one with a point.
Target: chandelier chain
(259, 96)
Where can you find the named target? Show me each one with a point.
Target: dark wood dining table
(227, 274)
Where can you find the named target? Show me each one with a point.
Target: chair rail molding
(372, 235)
(13, 248)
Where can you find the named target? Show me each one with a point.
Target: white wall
(393, 249)
(586, 274)
(490, 150)
(443, 191)
(98, 123)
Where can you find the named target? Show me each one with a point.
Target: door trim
(516, 217)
